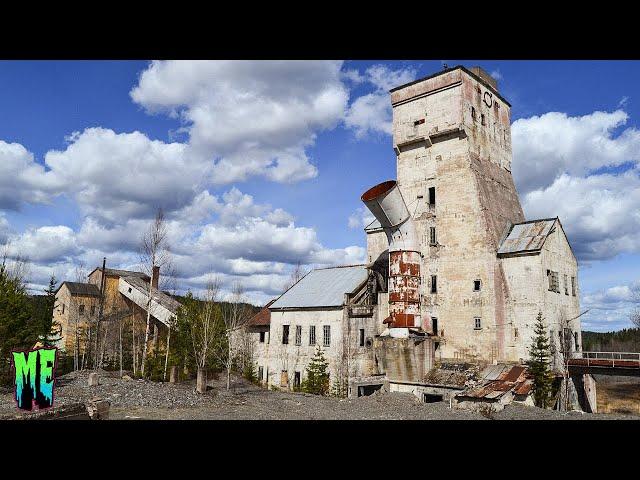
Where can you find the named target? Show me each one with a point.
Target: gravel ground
(142, 399)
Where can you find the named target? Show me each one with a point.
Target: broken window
(326, 337)
(573, 286)
(285, 334)
(262, 335)
(312, 335)
(418, 122)
(432, 195)
(553, 281)
(566, 284)
(81, 309)
(296, 380)
(434, 284)
(362, 337)
(432, 236)
(298, 335)
(434, 325)
(476, 285)
(477, 323)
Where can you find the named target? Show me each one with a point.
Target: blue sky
(89, 149)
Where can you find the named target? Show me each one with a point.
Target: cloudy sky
(260, 165)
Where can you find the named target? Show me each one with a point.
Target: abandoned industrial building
(455, 273)
(126, 294)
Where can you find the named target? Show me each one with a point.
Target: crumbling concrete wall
(404, 359)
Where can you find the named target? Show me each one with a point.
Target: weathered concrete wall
(404, 359)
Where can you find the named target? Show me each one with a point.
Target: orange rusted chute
(386, 203)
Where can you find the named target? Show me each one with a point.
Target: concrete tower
(452, 140)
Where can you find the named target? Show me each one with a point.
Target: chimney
(155, 276)
(386, 203)
(484, 75)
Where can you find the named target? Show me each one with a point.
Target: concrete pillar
(173, 374)
(201, 382)
(93, 379)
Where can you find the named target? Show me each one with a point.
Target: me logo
(35, 371)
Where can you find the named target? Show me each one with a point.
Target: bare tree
(199, 320)
(235, 315)
(296, 274)
(634, 316)
(155, 253)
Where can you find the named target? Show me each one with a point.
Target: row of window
(554, 283)
(81, 309)
(326, 335)
(477, 284)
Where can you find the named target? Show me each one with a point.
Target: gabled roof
(85, 289)
(526, 237)
(121, 273)
(323, 287)
(262, 318)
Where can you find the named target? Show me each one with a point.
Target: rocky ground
(142, 399)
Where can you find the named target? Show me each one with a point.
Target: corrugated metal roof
(527, 236)
(323, 287)
(500, 379)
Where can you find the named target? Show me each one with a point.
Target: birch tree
(155, 253)
(235, 314)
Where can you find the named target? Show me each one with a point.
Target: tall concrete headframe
(486, 272)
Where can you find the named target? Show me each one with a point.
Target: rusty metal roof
(263, 317)
(526, 236)
(500, 379)
(323, 287)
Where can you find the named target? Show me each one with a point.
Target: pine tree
(48, 330)
(539, 364)
(317, 374)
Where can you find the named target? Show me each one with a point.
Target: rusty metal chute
(386, 203)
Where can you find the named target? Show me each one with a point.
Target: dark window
(298, 335)
(473, 113)
(296, 380)
(432, 195)
(434, 325)
(566, 284)
(312, 335)
(432, 236)
(285, 334)
(362, 337)
(573, 286)
(81, 309)
(418, 122)
(477, 323)
(260, 372)
(63, 308)
(431, 398)
(482, 121)
(476, 285)
(262, 335)
(575, 341)
(434, 284)
(129, 289)
(326, 337)
(93, 309)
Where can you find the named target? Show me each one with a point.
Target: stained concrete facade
(452, 140)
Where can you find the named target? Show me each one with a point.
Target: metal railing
(625, 359)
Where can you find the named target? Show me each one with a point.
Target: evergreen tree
(17, 330)
(49, 332)
(539, 364)
(317, 374)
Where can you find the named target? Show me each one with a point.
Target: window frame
(479, 283)
(312, 335)
(298, 338)
(434, 284)
(326, 335)
(477, 323)
(285, 334)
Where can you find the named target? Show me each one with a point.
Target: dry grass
(621, 396)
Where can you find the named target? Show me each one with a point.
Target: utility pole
(100, 312)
